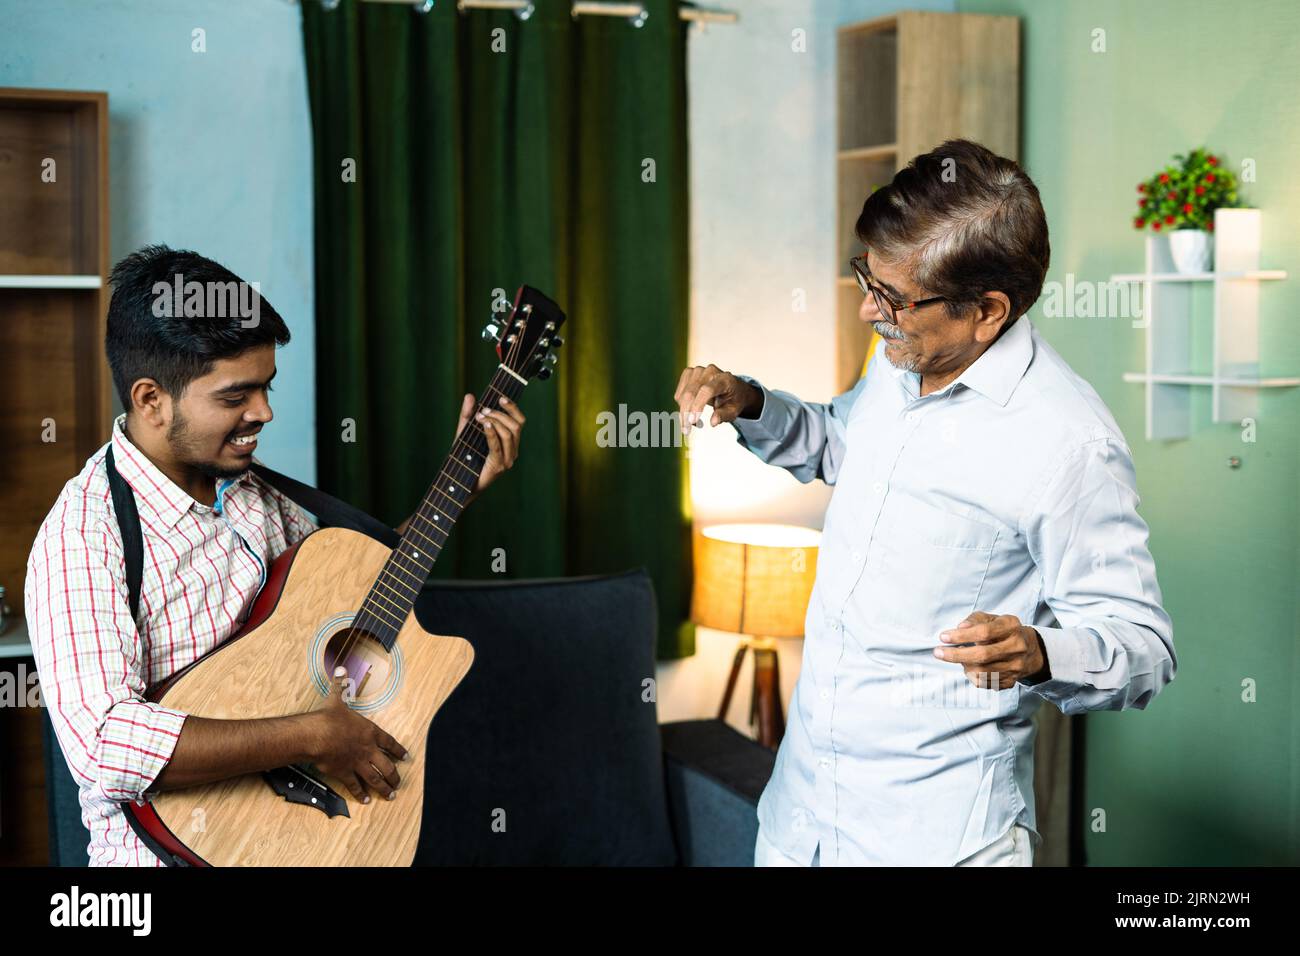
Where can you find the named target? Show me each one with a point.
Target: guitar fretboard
(391, 598)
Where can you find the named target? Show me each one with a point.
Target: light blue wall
(208, 151)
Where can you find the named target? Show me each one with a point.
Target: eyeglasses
(887, 306)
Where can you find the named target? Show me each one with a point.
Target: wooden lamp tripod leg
(732, 678)
(767, 695)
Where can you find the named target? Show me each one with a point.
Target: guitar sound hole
(368, 663)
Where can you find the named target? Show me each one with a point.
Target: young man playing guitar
(195, 393)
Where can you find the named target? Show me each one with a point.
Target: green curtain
(458, 156)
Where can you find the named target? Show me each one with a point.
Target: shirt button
(824, 762)
(878, 487)
(911, 416)
(825, 695)
(857, 557)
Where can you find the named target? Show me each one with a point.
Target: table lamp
(755, 580)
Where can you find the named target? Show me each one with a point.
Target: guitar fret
(396, 606)
(383, 574)
(374, 611)
(436, 544)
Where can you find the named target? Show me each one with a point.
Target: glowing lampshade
(754, 578)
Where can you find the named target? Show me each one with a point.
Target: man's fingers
(389, 780)
(973, 628)
(466, 410)
(703, 396)
(390, 745)
(981, 651)
(493, 438)
(509, 440)
(681, 384)
(358, 787)
(504, 422)
(512, 410)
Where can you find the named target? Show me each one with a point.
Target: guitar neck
(404, 574)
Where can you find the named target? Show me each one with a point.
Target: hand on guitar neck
(501, 429)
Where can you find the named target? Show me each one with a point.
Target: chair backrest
(69, 838)
(548, 753)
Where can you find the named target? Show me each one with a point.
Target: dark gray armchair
(549, 752)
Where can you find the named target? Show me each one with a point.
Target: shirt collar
(997, 372)
(153, 489)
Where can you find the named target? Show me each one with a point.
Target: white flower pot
(1191, 250)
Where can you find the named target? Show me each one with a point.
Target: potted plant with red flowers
(1181, 199)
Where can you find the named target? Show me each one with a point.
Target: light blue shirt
(1010, 491)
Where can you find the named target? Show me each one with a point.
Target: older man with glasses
(982, 551)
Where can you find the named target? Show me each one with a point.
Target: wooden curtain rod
(601, 8)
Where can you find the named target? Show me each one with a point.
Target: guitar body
(279, 664)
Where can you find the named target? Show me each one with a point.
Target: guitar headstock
(526, 341)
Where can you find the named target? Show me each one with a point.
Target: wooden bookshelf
(905, 83)
(53, 301)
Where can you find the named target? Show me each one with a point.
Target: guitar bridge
(297, 784)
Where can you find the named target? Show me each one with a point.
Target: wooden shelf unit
(905, 83)
(53, 302)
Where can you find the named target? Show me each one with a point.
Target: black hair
(153, 332)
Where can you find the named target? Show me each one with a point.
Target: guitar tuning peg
(492, 331)
(556, 341)
(544, 373)
(551, 359)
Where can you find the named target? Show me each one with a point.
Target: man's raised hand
(730, 397)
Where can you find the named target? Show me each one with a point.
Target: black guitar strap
(330, 512)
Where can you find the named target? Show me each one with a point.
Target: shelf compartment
(856, 180)
(50, 282)
(868, 84)
(51, 227)
(886, 151)
(14, 641)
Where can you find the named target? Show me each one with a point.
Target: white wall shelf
(1257, 274)
(49, 282)
(1189, 379)
(1234, 380)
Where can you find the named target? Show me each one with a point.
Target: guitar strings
(396, 557)
(369, 606)
(399, 559)
(477, 434)
(370, 620)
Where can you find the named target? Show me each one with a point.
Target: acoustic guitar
(339, 597)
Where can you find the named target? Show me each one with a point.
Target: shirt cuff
(1065, 664)
(138, 740)
(772, 422)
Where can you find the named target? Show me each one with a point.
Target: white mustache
(887, 331)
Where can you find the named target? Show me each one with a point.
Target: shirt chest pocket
(933, 565)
